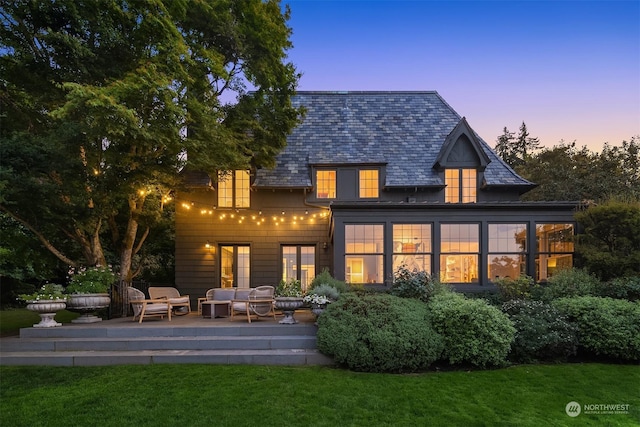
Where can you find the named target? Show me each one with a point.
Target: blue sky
(569, 69)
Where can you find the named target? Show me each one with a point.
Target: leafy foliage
(416, 284)
(567, 172)
(474, 331)
(96, 100)
(606, 326)
(91, 280)
(622, 288)
(289, 288)
(378, 333)
(519, 288)
(49, 291)
(610, 244)
(542, 332)
(324, 277)
(569, 282)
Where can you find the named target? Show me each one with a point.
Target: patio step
(118, 342)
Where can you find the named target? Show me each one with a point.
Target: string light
(280, 217)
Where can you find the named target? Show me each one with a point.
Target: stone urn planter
(47, 310)
(318, 309)
(288, 305)
(87, 304)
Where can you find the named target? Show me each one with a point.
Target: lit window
(233, 189)
(369, 183)
(235, 266)
(412, 247)
(459, 246)
(326, 184)
(507, 250)
(555, 249)
(299, 263)
(460, 186)
(364, 259)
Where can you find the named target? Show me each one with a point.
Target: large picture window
(364, 258)
(412, 247)
(299, 263)
(460, 251)
(554, 249)
(235, 266)
(460, 186)
(507, 250)
(326, 184)
(368, 183)
(234, 189)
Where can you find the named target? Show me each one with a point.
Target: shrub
(378, 333)
(325, 277)
(622, 288)
(542, 332)
(474, 331)
(606, 326)
(416, 284)
(569, 282)
(519, 288)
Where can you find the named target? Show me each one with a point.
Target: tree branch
(45, 242)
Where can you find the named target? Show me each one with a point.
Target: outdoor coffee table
(216, 308)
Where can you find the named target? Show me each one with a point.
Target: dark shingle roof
(403, 130)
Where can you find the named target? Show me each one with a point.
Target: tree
(505, 147)
(105, 102)
(610, 244)
(515, 150)
(566, 172)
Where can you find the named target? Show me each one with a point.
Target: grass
(12, 320)
(199, 395)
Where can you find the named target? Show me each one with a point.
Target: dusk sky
(569, 69)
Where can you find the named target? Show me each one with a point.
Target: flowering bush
(316, 299)
(92, 280)
(49, 291)
(542, 332)
(291, 288)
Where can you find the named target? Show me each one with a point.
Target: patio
(185, 339)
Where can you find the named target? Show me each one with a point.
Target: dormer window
(460, 186)
(326, 184)
(234, 189)
(369, 184)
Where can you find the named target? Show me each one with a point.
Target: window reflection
(364, 246)
(554, 249)
(460, 246)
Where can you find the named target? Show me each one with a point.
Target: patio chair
(259, 302)
(143, 307)
(173, 296)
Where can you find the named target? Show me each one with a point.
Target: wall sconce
(324, 246)
(208, 246)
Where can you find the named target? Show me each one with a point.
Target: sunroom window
(507, 250)
(460, 252)
(364, 258)
(555, 249)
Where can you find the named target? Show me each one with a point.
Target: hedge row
(386, 333)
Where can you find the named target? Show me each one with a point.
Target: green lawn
(203, 395)
(12, 320)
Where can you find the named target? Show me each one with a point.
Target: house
(368, 182)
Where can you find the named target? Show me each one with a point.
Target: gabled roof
(405, 131)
